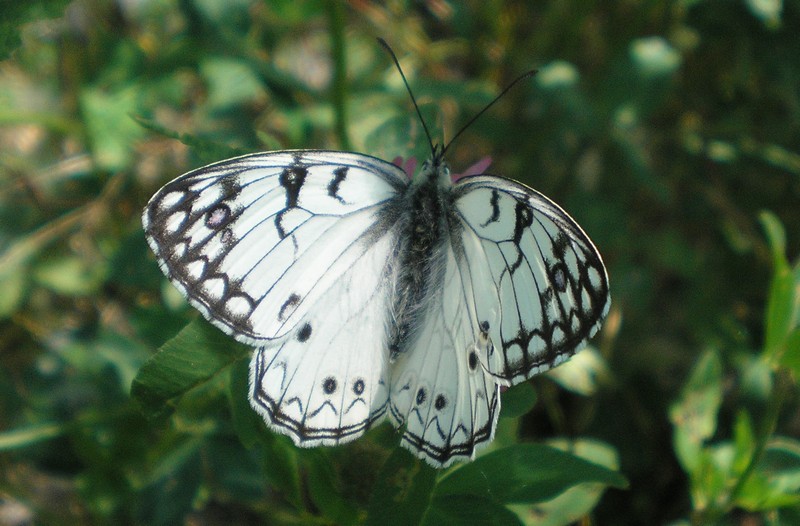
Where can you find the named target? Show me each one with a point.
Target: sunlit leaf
(694, 416)
(783, 308)
(776, 480)
(583, 373)
(111, 129)
(29, 435)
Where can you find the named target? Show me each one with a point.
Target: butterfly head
(436, 166)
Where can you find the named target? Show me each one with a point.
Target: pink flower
(477, 168)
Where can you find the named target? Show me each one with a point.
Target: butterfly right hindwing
(441, 391)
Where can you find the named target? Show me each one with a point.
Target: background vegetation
(669, 130)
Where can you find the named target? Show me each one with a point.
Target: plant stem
(339, 87)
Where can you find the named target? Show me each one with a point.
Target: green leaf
(468, 510)
(13, 283)
(195, 355)
(174, 484)
(583, 373)
(744, 442)
(17, 14)
(230, 83)
(524, 473)
(70, 276)
(207, 151)
(776, 236)
(233, 468)
(518, 400)
(791, 357)
(783, 308)
(280, 465)
(247, 423)
(109, 126)
(403, 491)
(29, 435)
(776, 480)
(694, 416)
(578, 501)
(325, 489)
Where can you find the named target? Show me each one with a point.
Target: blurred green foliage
(669, 130)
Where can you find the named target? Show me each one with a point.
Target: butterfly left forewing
(253, 242)
(538, 282)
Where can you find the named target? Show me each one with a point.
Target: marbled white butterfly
(366, 294)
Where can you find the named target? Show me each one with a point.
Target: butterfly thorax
(419, 257)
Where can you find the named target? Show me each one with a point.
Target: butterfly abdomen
(419, 261)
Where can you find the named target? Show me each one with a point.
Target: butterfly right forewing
(538, 283)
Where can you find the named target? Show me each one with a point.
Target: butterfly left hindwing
(327, 382)
(289, 251)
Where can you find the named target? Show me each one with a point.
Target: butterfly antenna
(405, 81)
(500, 96)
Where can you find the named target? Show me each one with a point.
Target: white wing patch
(327, 382)
(441, 391)
(236, 237)
(538, 282)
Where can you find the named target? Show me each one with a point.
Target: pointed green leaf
(744, 442)
(776, 236)
(29, 435)
(694, 416)
(783, 308)
(191, 358)
(578, 501)
(524, 473)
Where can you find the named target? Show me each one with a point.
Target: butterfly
(368, 296)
